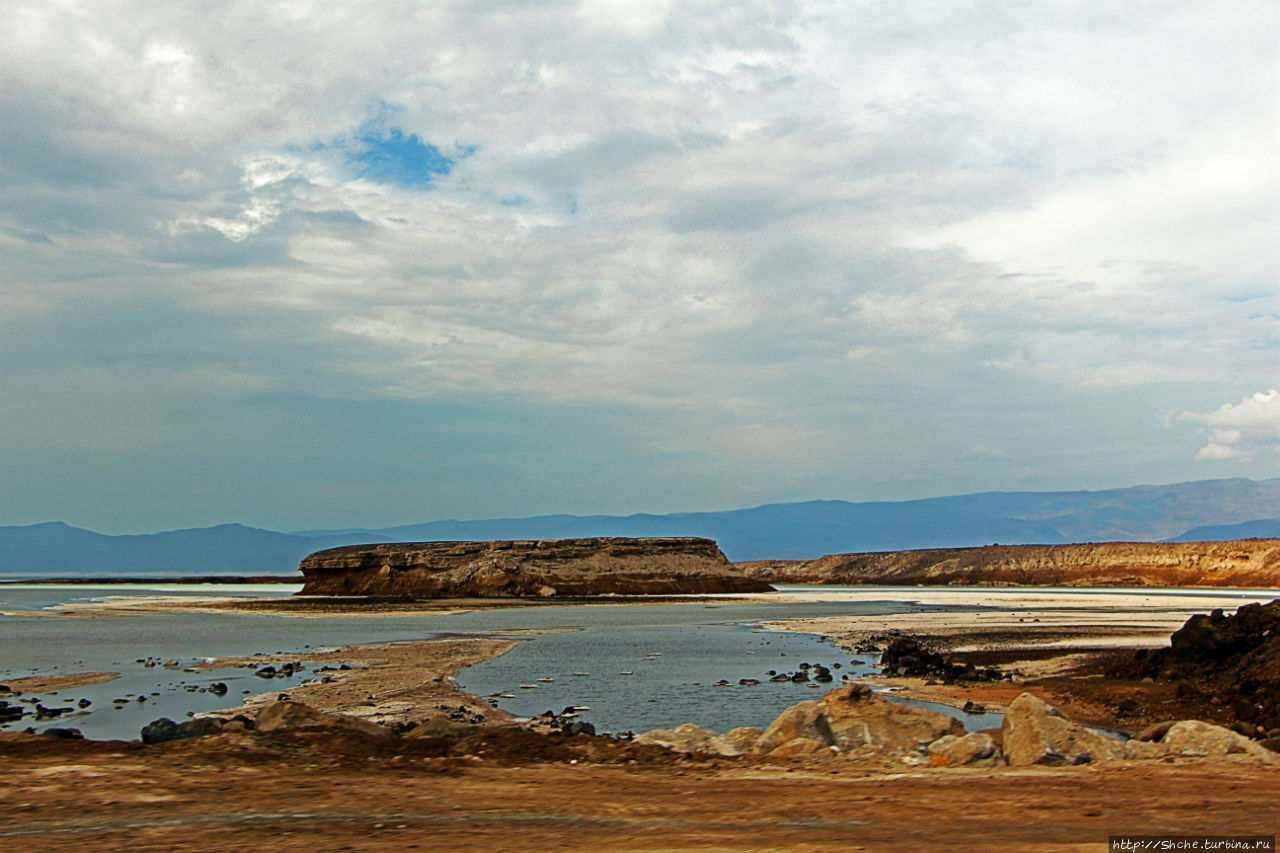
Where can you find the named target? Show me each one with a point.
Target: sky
(312, 264)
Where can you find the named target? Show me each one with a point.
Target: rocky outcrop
(546, 568)
(1242, 562)
(906, 657)
(1230, 659)
(852, 717)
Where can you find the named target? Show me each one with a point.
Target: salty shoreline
(357, 606)
(1059, 633)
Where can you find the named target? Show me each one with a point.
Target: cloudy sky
(313, 264)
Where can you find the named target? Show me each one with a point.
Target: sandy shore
(68, 681)
(1022, 618)
(1055, 643)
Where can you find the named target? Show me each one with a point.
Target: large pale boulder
(1036, 733)
(804, 720)
(690, 737)
(799, 748)
(976, 748)
(277, 716)
(741, 739)
(852, 717)
(1193, 737)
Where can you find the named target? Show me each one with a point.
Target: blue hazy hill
(1206, 509)
(1262, 528)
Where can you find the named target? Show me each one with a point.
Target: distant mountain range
(1183, 512)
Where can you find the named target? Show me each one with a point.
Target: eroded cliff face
(1242, 563)
(548, 567)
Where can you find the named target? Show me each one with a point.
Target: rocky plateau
(1235, 563)
(532, 568)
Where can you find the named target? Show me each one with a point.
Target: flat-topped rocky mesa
(547, 567)
(1236, 563)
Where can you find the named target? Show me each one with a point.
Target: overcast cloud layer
(314, 264)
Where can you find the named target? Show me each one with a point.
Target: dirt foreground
(288, 793)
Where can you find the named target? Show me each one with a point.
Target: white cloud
(1237, 431)
(888, 233)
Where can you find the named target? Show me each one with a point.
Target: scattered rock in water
(43, 713)
(11, 713)
(64, 734)
(565, 722)
(164, 729)
(908, 657)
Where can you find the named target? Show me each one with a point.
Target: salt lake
(635, 666)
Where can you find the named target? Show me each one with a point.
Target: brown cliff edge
(1236, 563)
(527, 568)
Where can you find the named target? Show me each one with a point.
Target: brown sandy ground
(42, 683)
(326, 792)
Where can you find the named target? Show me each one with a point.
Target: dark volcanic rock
(906, 656)
(1232, 659)
(164, 729)
(534, 568)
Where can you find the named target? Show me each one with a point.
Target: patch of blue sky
(388, 155)
(392, 157)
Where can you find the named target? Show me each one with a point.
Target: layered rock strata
(548, 567)
(1237, 563)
